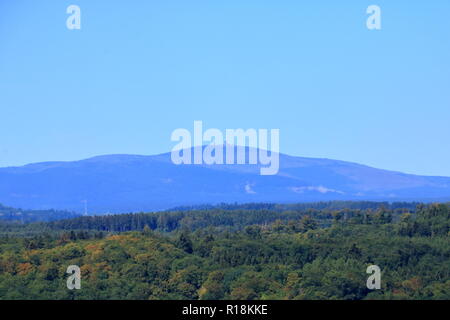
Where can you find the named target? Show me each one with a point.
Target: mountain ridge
(130, 183)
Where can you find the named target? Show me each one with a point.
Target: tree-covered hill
(291, 258)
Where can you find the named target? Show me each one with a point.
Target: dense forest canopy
(235, 252)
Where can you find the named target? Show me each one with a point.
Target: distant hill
(131, 183)
(19, 215)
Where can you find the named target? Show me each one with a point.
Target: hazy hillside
(121, 183)
(23, 216)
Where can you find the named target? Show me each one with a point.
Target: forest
(243, 252)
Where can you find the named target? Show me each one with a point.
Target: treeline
(237, 217)
(21, 216)
(192, 220)
(321, 205)
(284, 259)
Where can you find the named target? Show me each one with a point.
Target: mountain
(129, 183)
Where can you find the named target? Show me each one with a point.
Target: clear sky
(137, 70)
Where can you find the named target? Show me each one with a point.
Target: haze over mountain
(131, 183)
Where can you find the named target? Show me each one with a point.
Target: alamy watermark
(374, 281)
(374, 20)
(74, 280)
(73, 22)
(236, 146)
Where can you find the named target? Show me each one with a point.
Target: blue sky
(137, 70)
